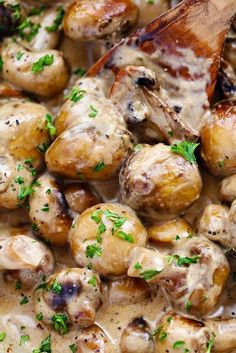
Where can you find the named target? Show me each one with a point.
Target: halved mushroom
(49, 211)
(193, 274)
(86, 21)
(218, 136)
(44, 73)
(135, 95)
(227, 190)
(80, 196)
(92, 151)
(70, 297)
(156, 178)
(136, 337)
(104, 236)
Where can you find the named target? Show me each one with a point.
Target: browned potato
(85, 20)
(193, 273)
(75, 293)
(44, 73)
(156, 178)
(227, 190)
(92, 151)
(49, 211)
(169, 231)
(136, 337)
(218, 139)
(80, 197)
(104, 236)
(214, 225)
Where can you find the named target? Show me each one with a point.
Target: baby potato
(80, 196)
(104, 236)
(92, 151)
(23, 130)
(85, 20)
(218, 140)
(49, 211)
(169, 231)
(44, 73)
(155, 177)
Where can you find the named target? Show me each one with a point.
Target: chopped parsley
(178, 344)
(34, 227)
(60, 323)
(49, 126)
(177, 237)
(23, 339)
(183, 260)
(24, 300)
(28, 30)
(159, 331)
(100, 231)
(162, 336)
(45, 207)
(18, 285)
(2, 336)
(48, 191)
(80, 72)
(45, 346)
(73, 347)
(125, 236)
(25, 191)
(93, 281)
(151, 2)
(39, 316)
(57, 21)
(38, 66)
(19, 180)
(19, 55)
(55, 287)
(149, 274)
(93, 112)
(137, 147)
(99, 167)
(188, 305)
(1, 63)
(92, 250)
(96, 216)
(221, 164)
(137, 266)
(186, 149)
(76, 94)
(210, 343)
(35, 11)
(43, 147)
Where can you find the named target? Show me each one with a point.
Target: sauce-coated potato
(156, 178)
(218, 140)
(92, 151)
(104, 236)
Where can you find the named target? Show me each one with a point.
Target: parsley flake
(45, 346)
(2, 336)
(73, 347)
(93, 281)
(92, 250)
(178, 344)
(49, 126)
(60, 323)
(76, 94)
(38, 66)
(23, 339)
(149, 274)
(57, 21)
(99, 167)
(93, 112)
(186, 149)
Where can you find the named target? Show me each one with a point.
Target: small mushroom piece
(180, 333)
(169, 231)
(20, 252)
(92, 105)
(28, 278)
(214, 225)
(136, 337)
(193, 274)
(227, 190)
(44, 73)
(224, 334)
(156, 178)
(94, 339)
(49, 211)
(227, 79)
(104, 236)
(218, 146)
(91, 151)
(74, 294)
(80, 196)
(135, 95)
(87, 21)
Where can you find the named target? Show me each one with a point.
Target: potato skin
(156, 178)
(91, 151)
(50, 81)
(114, 259)
(86, 20)
(218, 140)
(49, 211)
(80, 196)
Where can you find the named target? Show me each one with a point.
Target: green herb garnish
(186, 149)
(39, 65)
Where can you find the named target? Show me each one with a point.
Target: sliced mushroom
(193, 274)
(44, 73)
(104, 236)
(136, 337)
(156, 178)
(135, 95)
(218, 144)
(80, 196)
(227, 190)
(74, 293)
(92, 151)
(49, 211)
(86, 21)
(170, 231)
